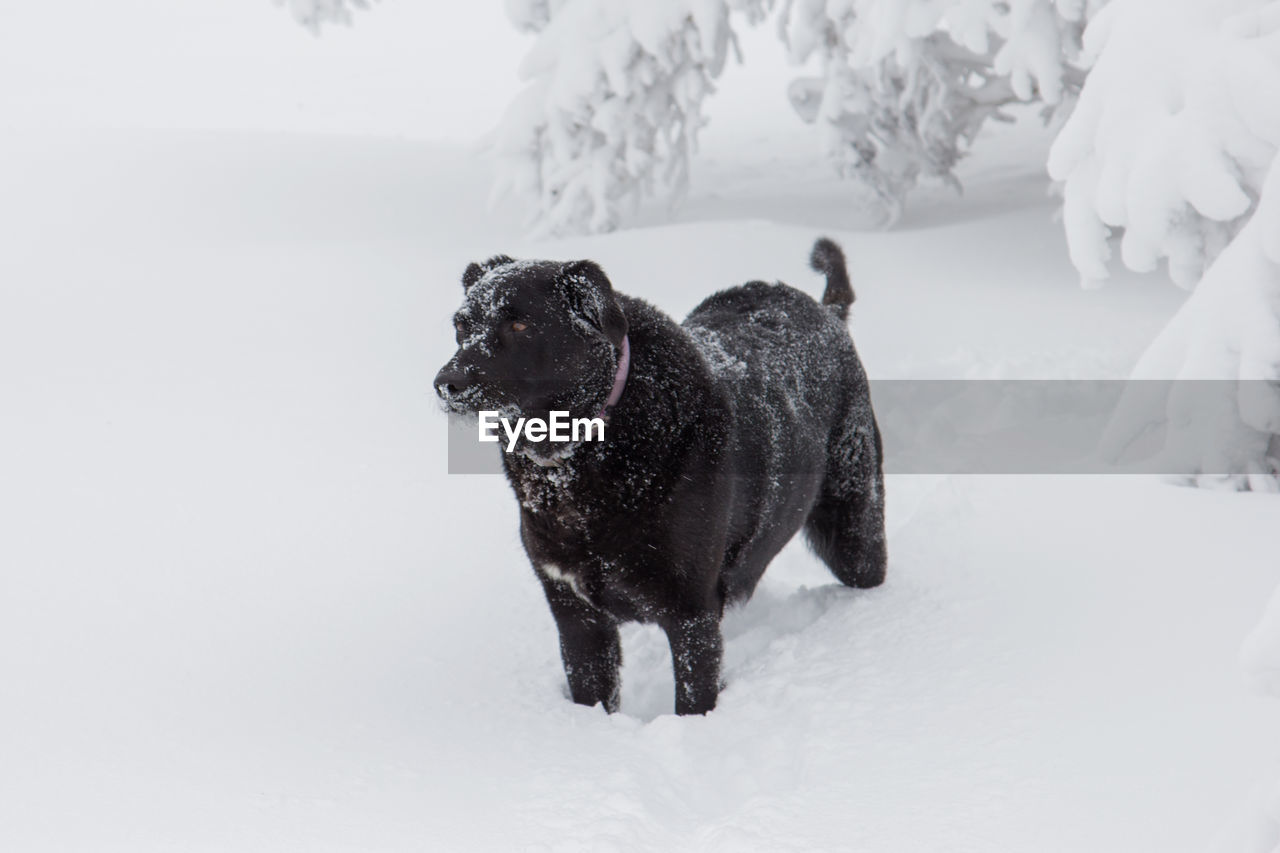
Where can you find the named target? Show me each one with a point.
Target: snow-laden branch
(1175, 130)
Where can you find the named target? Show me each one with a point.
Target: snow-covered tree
(613, 104)
(616, 91)
(905, 85)
(1171, 151)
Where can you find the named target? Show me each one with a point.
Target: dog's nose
(451, 380)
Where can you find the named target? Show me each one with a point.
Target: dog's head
(533, 337)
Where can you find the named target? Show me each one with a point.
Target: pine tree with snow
(617, 87)
(613, 105)
(1172, 153)
(906, 84)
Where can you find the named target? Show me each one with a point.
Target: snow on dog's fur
(734, 430)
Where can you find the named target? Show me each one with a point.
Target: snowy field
(244, 608)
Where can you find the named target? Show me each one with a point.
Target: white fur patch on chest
(556, 573)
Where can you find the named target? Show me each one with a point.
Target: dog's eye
(518, 326)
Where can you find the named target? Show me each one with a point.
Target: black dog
(725, 435)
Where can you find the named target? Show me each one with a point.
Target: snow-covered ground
(243, 607)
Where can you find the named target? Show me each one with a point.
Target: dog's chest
(581, 529)
(600, 561)
(570, 500)
(551, 500)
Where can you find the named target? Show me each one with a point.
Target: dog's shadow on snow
(774, 615)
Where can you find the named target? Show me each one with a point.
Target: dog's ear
(474, 272)
(589, 294)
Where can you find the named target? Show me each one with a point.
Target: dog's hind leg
(846, 526)
(589, 647)
(848, 534)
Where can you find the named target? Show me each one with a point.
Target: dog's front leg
(589, 646)
(696, 649)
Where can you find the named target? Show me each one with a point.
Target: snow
(1261, 651)
(242, 605)
(246, 608)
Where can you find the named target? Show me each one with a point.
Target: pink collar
(619, 378)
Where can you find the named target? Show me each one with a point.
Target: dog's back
(787, 363)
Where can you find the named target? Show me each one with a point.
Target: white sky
(433, 69)
(420, 68)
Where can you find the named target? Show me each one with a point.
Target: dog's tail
(828, 259)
